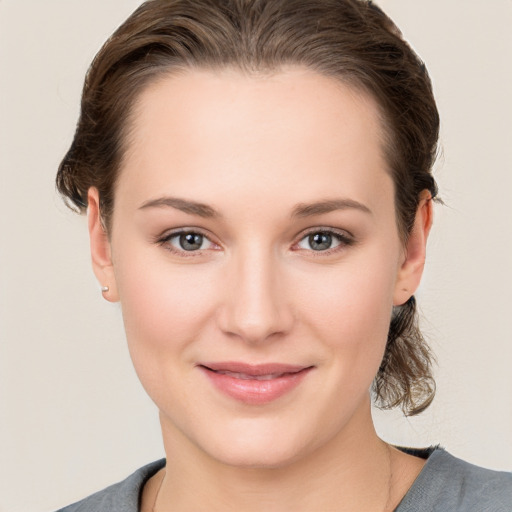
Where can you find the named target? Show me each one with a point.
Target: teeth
(245, 376)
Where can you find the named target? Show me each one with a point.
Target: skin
(253, 148)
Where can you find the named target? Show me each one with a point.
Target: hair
(349, 40)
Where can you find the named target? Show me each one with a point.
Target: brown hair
(349, 40)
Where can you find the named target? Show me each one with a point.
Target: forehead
(227, 131)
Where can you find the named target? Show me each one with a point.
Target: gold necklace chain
(390, 481)
(158, 492)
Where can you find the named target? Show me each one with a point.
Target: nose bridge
(256, 304)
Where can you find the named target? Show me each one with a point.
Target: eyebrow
(192, 207)
(300, 210)
(326, 206)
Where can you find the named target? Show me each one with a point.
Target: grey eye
(320, 241)
(324, 240)
(183, 242)
(191, 241)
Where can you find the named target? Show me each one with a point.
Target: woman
(258, 182)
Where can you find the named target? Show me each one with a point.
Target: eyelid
(325, 229)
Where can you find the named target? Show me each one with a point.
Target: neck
(353, 471)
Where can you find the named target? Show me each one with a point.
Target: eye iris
(320, 241)
(191, 241)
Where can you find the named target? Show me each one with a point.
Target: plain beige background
(73, 417)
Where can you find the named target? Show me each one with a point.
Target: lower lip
(255, 392)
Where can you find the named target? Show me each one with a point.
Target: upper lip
(253, 369)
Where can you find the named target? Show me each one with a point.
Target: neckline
(429, 454)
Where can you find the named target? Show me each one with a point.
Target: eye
(324, 240)
(186, 241)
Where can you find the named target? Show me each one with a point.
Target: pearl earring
(104, 289)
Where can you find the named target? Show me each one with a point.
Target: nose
(255, 306)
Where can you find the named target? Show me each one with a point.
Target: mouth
(254, 384)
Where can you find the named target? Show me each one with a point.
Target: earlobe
(411, 269)
(101, 254)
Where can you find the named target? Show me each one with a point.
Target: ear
(411, 269)
(101, 253)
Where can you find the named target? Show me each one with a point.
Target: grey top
(446, 484)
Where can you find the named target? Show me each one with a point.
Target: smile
(254, 385)
(245, 376)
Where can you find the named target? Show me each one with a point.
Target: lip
(254, 384)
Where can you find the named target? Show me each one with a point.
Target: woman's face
(254, 224)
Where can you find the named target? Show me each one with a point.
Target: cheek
(349, 308)
(164, 306)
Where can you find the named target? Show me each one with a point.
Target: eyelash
(345, 240)
(165, 242)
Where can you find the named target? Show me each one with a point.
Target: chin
(257, 458)
(259, 448)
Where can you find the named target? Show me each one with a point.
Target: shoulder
(448, 483)
(121, 497)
